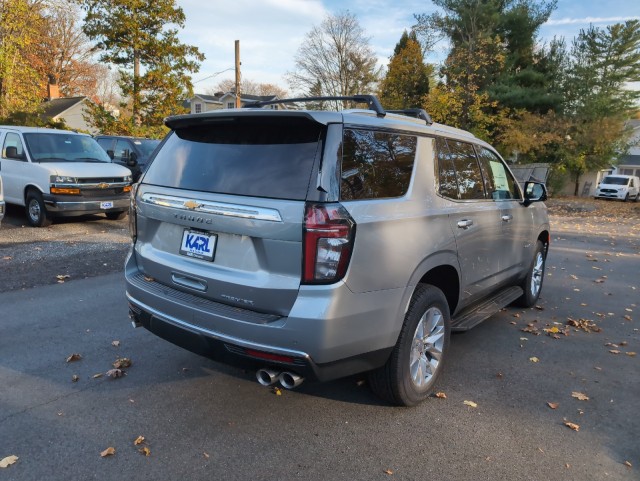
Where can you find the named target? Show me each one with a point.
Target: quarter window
(376, 165)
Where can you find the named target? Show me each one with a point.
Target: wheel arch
(26, 190)
(439, 270)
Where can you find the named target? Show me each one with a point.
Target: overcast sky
(270, 31)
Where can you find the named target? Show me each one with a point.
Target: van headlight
(63, 179)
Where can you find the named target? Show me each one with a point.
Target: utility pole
(238, 103)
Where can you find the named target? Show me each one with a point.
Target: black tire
(532, 284)
(116, 215)
(36, 211)
(402, 380)
(626, 197)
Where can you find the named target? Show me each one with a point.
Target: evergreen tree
(407, 79)
(136, 35)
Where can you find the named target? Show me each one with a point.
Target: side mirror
(534, 192)
(132, 160)
(12, 153)
(110, 154)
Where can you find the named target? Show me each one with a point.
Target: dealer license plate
(197, 244)
(106, 204)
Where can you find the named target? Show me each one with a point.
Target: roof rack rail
(371, 100)
(417, 113)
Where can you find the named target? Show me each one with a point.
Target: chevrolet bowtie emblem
(103, 185)
(191, 204)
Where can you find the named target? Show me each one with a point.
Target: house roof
(56, 107)
(208, 98)
(629, 160)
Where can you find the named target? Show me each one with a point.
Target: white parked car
(621, 187)
(61, 173)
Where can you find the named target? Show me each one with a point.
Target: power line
(213, 75)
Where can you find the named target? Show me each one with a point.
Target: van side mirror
(12, 153)
(534, 192)
(132, 160)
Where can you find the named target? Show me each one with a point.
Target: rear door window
(249, 156)
(376, 165)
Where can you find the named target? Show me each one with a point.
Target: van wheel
(532, 284)
(116, 215)
(37, 214)
(626, 197)
(417, 359)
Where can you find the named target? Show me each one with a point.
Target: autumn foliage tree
(140, 37)
(20, 24)
(407, 79)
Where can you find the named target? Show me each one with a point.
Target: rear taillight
(329, 233)
(133, 219)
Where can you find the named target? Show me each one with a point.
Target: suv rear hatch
(221, 207)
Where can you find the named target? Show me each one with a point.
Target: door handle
(507, 218)
(465, 223)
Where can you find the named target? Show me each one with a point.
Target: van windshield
(48, 147)
(250, 156)
(611, 180)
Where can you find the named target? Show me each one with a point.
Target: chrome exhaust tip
(289, 380)
(267, 377)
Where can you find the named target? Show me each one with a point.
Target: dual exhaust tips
(288, 380)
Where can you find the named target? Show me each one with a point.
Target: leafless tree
(335, 59)
(249, 87)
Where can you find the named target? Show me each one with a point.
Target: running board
(477, 313)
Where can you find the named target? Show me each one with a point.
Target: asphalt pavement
(202, 420)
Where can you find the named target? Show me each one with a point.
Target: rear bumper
(311, 341)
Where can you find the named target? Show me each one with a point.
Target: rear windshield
(615, 180)
(253, 156)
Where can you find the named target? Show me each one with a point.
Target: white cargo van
(621, 187)
(60, 173)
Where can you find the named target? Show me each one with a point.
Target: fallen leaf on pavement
(584, 324)
(471, 404)
(580, 396)
(627, 464)
(534, 359)
(122, 362)
(146, 451)
(96, 376)
(108, 452)
(277, 391)
(553, 405)
(62, 278)
(206, 455)
(139, 440)
(573, 426)
(75, 378)
(74, 357)
(388, 471)
(8, 461)
(115, 343)
(441, 395)
(116, 373)
(630, 353)
(614, 351)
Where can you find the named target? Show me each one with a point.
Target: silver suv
(319, 244)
